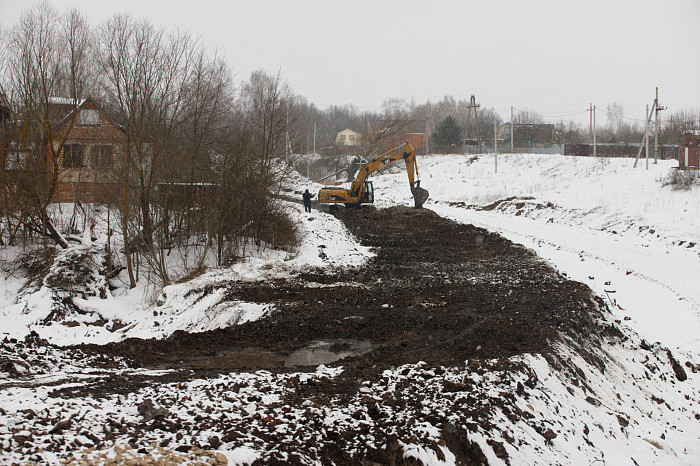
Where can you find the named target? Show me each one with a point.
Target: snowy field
(603, 223)
(617, 229)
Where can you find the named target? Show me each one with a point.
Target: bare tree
(148, 74)
(266, 103)
(266, 113)
(45, 55)
(678, 122)
(614, 114)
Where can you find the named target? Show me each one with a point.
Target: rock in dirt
(60, 426)
(149, 411)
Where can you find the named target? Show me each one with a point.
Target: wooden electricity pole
(645, 140)
(495, 146)
(595, 146)
(427, 134)
(656, 125)
(512, 123)
(646, 136)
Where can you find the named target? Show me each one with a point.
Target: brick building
(689, 152)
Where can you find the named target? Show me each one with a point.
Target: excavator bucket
(420, 195)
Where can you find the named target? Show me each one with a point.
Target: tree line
(447, 123)
(184, 128)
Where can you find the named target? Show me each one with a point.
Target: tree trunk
(53, 233)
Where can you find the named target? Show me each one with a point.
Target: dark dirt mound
(437, 291)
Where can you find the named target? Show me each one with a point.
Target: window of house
(16, 160)
(342, 138)
(101, 156)
(73, 155)
(352, 137)
(89, 116)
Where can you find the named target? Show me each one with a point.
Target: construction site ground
(445, 294)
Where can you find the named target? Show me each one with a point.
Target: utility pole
(427, 134)
(512, 147)
(314, 138)
(646, 135)
(495, 146)
(595, 146)
(472, 105)
(645, 140)
(656, 125)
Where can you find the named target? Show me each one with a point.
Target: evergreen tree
(447, 132)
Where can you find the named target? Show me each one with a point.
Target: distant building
(689, 152)
(348, 138)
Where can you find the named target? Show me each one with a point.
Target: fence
(666, 151)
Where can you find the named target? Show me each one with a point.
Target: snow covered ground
(616, 228)
(635, 242)
(178, 307)
(603, 223)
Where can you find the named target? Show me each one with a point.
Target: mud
(437, 291)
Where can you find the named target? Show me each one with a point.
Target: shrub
(681, 179)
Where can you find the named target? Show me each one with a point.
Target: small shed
(689, 152)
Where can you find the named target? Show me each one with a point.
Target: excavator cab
(368, 195)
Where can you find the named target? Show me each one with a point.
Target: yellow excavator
(361, 190)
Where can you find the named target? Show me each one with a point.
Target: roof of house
(66, 101)
(65, 107)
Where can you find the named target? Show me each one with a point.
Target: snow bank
(103, 316)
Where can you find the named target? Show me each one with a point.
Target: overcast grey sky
(551, 56)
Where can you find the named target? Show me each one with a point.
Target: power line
(622, 116)
(557, 115)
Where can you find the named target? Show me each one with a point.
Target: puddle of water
(322, 352)
(327, 352)
(238, 360)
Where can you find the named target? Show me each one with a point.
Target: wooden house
(90, 153)
(348, 138)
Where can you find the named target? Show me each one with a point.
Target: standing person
(307, 200)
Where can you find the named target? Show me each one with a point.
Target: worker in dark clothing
(307, 200)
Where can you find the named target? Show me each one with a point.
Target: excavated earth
(439, 292)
